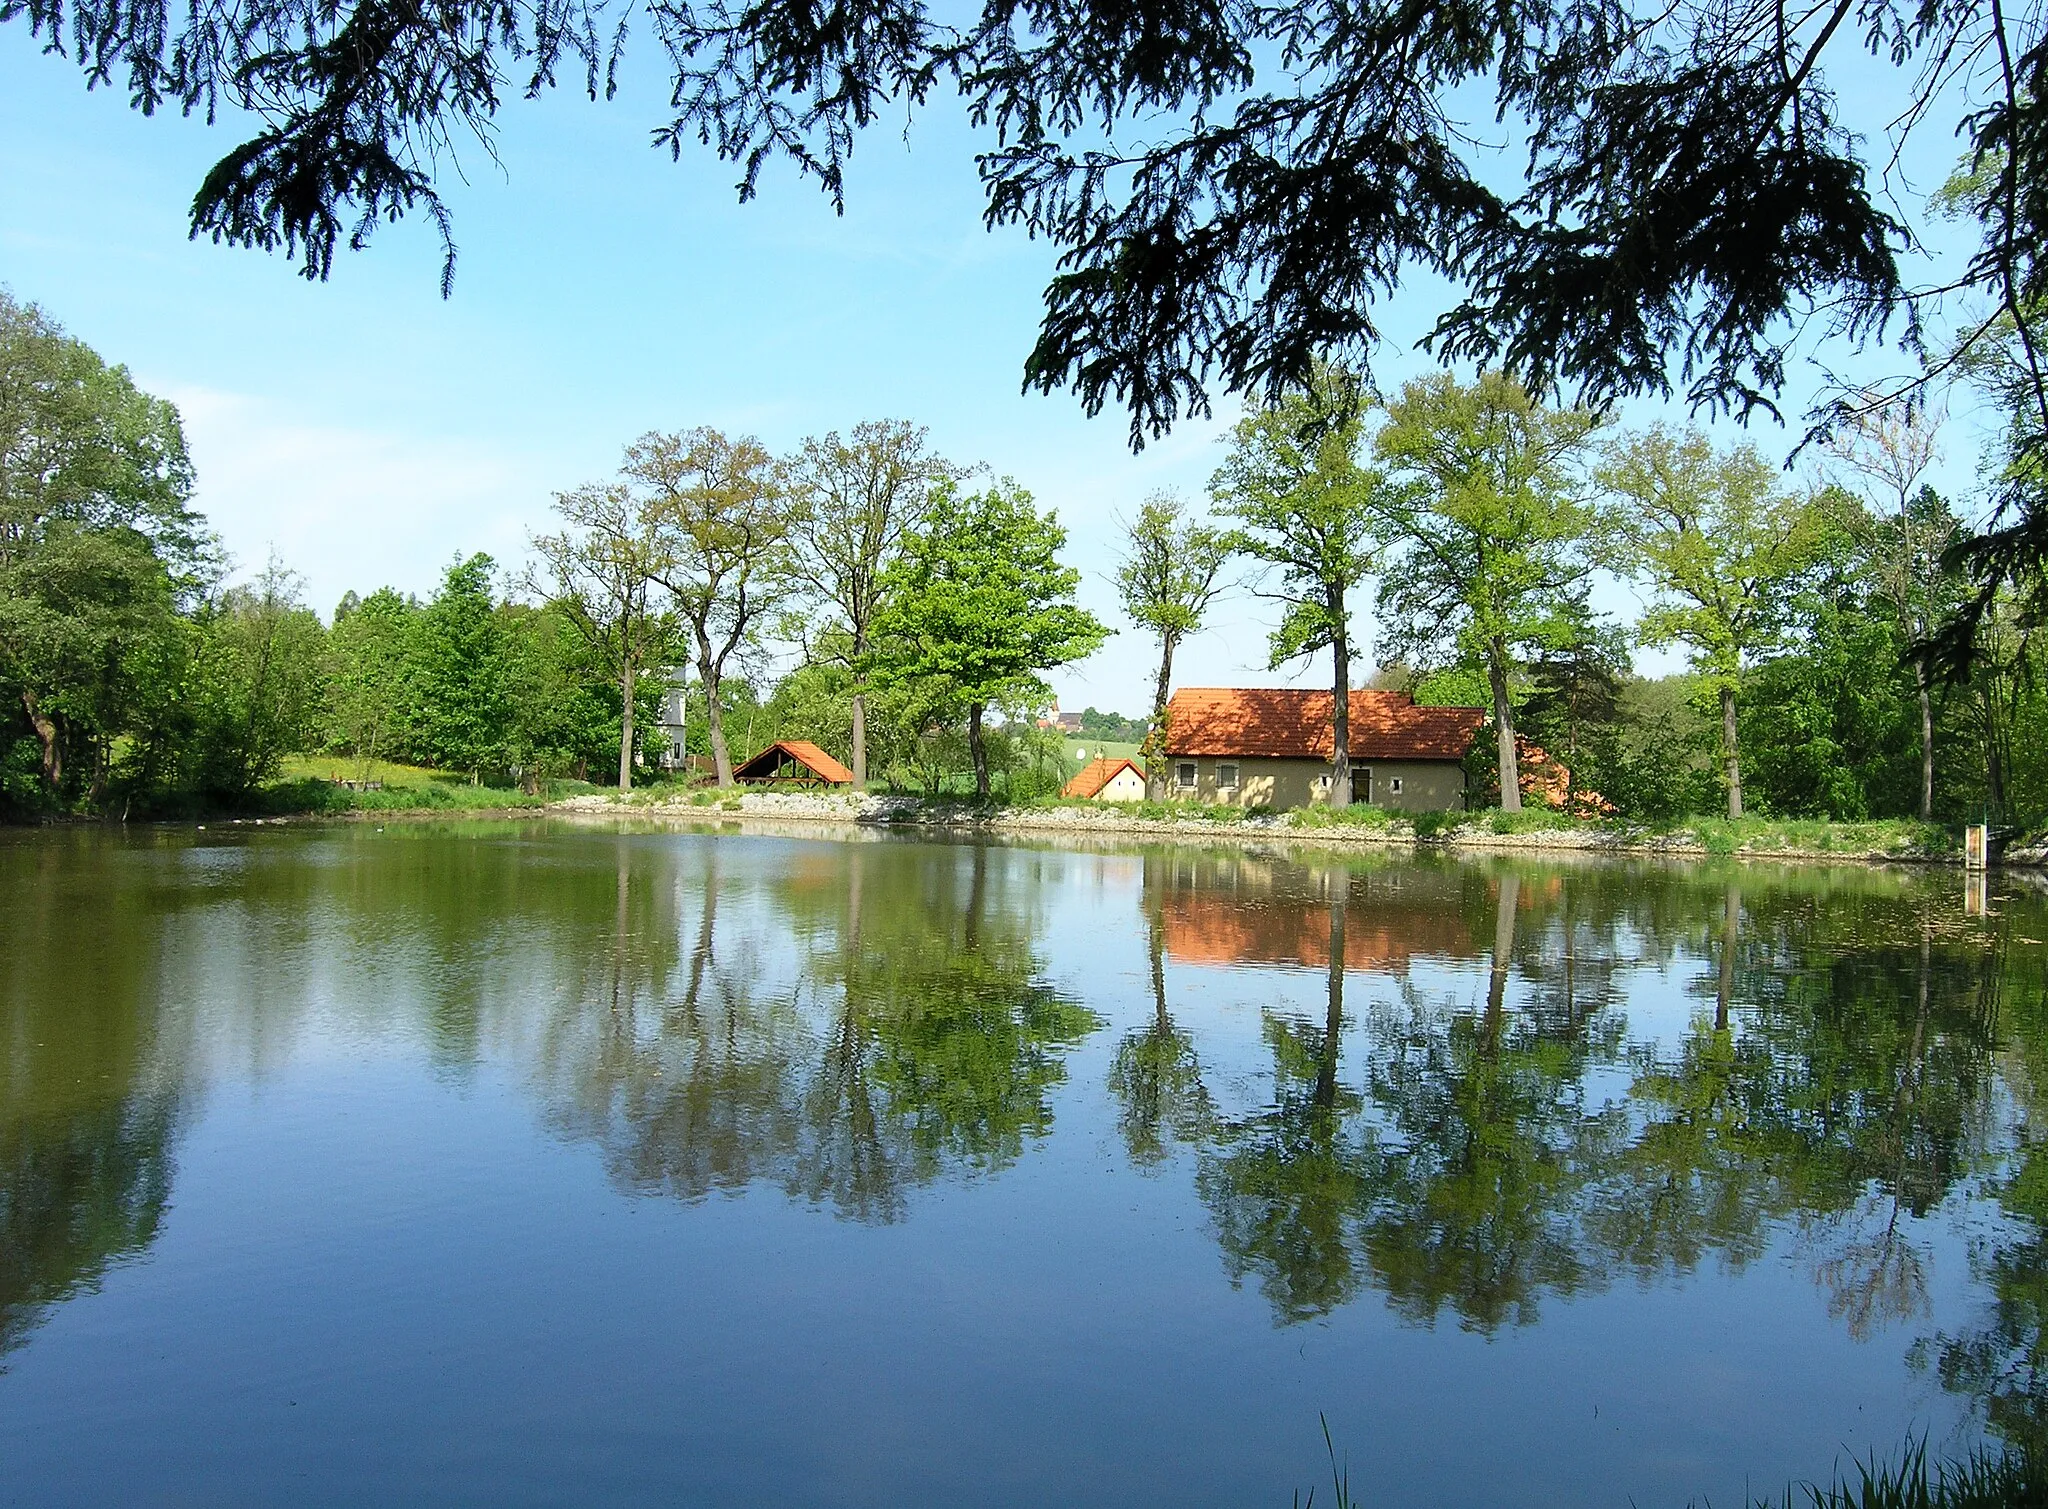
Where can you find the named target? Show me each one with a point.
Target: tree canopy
(978, 605)
(1234, 188)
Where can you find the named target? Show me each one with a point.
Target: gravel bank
(914, 812)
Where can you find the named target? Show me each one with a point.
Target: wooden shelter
(793, 762)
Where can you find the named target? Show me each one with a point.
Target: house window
(1184, 775)
(1226, 777)
(1394, 785)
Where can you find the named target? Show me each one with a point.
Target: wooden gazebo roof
(796, 762)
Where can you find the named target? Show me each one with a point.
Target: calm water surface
(539, 1164)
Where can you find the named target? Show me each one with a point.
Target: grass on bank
(1987, 1478)
(307, 784)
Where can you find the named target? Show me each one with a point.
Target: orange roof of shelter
(766, 765)
(1281, 723)
(1097, 774)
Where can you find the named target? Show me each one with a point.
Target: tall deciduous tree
(1889, 447)
(260, 682)
(1490, 551)
(458, 672)
(856, 498)
(602, 574)
(1170, 574)
(98, 545)
(725, 523)
(367, 673)
(978, 606)
(1723, 545)
(1303, 506)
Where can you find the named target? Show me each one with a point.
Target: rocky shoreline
(909, 812)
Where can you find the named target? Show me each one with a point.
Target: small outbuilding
(793, 762)
(1108, 780)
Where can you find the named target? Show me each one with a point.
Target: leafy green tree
(1168, 577)
(368, 693)
(98, 547)
(1906, 540)
(259, 683)
(1723, 545)
(1303, 507)
(724, 520)
(563, 715)
(460, 710)
(855, 501)
(1574, 702)
(1491, 548)
(977, 606)
(1828, 724)
(601, 574)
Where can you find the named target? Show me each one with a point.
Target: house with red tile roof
(1273, 746)
(1108, 779)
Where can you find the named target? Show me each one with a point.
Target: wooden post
(1976, 847)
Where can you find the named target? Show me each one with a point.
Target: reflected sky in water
(536, 1163)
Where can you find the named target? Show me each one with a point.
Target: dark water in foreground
(547, 1164)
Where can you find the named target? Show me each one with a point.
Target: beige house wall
(1425, 785)
(1125, 786)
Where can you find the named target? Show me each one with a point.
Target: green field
(1073, 745)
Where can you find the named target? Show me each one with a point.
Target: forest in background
(922, 603)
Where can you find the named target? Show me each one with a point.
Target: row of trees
(927, 603)
(1482, 518)
(135, 679)
(873, 555)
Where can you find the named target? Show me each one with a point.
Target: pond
(532, 1163)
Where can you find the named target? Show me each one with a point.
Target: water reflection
(845, 1027)
(1476, 1091)
(87, 1088)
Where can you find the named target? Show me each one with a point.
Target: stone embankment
(881, 811)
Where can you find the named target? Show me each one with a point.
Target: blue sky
(368, 430)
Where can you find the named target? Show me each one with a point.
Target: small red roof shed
(794, 762)
(1097, 774)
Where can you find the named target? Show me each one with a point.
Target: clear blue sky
(368, 430)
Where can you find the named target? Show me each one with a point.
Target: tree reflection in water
(913, 1036)
(1478, 1111)
(88, 1109)
(1833, 1089)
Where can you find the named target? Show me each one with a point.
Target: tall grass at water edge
(1987, 1478)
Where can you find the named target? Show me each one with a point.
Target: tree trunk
(1504, 727)
(626, 730)
(714, 715)
(1731, 917)
(978, 750)
(1732, 755)
(1333, 1005)
(1340, 707)
(1926, 740)
(860, 741)
(46, 735)
(1505, 906)
(1155, 736)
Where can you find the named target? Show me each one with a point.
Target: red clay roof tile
(1281, 723)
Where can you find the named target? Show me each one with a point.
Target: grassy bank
(313, 785)
(1987, 1478)
(310, 786)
